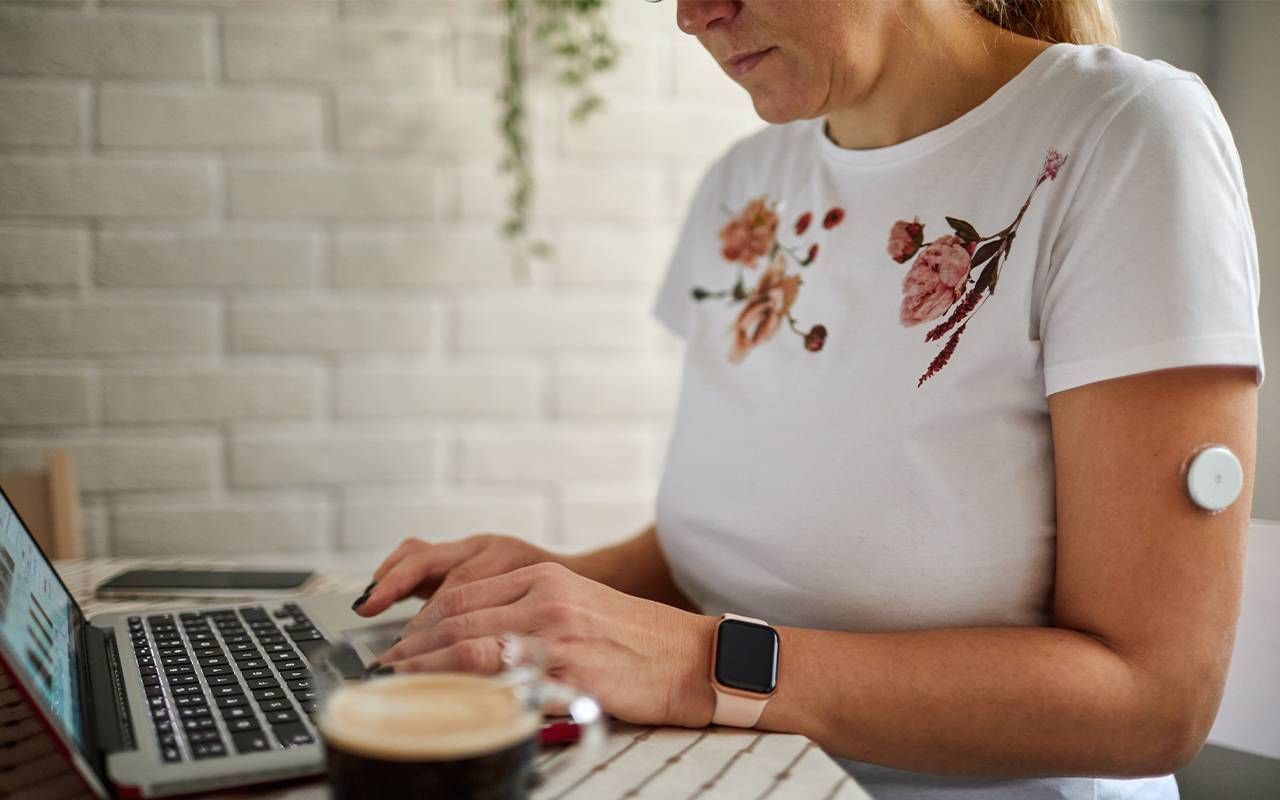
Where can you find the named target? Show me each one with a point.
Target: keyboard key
(257, 674)
(231, 701)
(187, 690)
(178, 669)
(251, 742)
(200, 737)
(156, 701)
(278, 717)
(163, 726)
(237, 712)
(170, 754)
(198, 724)
(283, 657)
(220, 669)
(153, 691)
(181, 680)
(208, 750)
(213, 661)
(307, 636)
(226, 690)
(251, 613)
(159, 713)
(194, 712)
(292, 734)
(221, 680)
(153, 680)
(294, 674)
(305, 683)
(263, 683)
(268, 694)
(187, 701)
(247, 655)
(284, 666)
(255, 663)
(270, 706)
(242, 725)
(309, 706)
(304, 694)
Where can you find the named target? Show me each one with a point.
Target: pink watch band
(737, 710)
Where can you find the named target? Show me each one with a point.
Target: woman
(954, 325)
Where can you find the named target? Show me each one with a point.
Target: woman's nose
(697, 16)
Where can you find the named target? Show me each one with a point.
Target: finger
(483, 656)
(485, 565)
(477, 624)
(403, 549)
(499, 590)
(416, 568)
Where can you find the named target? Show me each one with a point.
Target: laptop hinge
(112, 727)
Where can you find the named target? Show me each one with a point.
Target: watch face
(747, 656)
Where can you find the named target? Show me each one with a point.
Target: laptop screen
(38, 622)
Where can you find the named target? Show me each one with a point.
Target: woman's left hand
(646, 662)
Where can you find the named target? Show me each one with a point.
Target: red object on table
(561, 732)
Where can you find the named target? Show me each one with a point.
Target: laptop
(172, 702)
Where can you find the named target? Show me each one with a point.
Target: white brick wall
(250, 274)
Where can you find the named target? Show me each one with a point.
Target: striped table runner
(637, 762)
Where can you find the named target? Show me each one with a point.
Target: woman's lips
(739, 66)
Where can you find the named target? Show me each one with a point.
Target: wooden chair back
(49, 502)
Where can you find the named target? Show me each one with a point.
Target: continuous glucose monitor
(1214, 478)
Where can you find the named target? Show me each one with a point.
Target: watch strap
(737, 710)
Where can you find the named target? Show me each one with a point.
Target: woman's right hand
(422, 569)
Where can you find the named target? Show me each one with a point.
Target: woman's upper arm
(1138, 565)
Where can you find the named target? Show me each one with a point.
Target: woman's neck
(938, 66)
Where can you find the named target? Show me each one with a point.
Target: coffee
(431, 735)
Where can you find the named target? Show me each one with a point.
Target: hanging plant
(573, 34)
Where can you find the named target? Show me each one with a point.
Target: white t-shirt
(813, 478)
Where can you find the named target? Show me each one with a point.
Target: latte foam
(435, 717)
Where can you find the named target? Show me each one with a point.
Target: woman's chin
(776, 109)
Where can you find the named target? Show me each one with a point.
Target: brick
(181, 118)
(44, 257)
(211, 395)
(44, 397)
(438, 258)
(331, 191)
(653, 129)
(613, 255)
(571, 192)
(320, 52)
(41, 42)
(380, 520)
(550, 455)
(596, 516)
(479, 63)
(51, 327)
(319, 9)
(543, 321)
(467, 390)
(322, 326)
(79, 187)
(110, 463)
(226, 259)
(399, 122)
(35, 114)
(179, 529)
(605, 388)
(335, 457)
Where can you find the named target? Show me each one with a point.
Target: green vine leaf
(572, 33)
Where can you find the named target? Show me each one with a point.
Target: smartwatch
(744, 669)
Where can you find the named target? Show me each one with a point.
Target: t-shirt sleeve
(674, 305)
(1154, 265)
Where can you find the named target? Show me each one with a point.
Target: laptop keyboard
(226, 681)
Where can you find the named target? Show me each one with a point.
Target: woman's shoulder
(1099, 81)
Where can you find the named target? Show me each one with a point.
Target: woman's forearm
(989, 701)
(635, 566)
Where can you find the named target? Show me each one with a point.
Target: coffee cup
(449, 735)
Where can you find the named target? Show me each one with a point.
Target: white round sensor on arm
(1214, 478)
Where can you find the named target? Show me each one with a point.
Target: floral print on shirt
(745, 238)
(942, 274)
(940, 280)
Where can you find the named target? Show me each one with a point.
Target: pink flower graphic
(943, 272)
(749, 235)
(905, 239)
(935, 280)
(768, 304)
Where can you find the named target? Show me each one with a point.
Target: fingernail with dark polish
(385, 669)
(363, 596)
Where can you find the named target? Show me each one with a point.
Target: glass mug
(450, 735)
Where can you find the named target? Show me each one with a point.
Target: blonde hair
(1075, 21)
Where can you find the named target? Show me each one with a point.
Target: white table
(637, 762)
